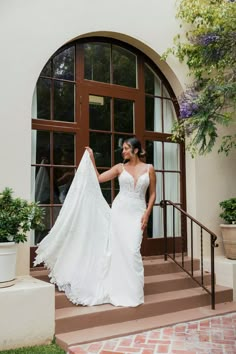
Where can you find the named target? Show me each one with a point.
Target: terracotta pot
(229, 240)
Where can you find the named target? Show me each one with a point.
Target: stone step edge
(163, 278)
(146, 262)
(89, 335)
(65, 313)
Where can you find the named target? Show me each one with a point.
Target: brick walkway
(215, 335)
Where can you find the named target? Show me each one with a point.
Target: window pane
(169, 115)
(172, 187)
(101, 145)
(165, 92)
(154, 154)
(155, 223)
(124, 67)
(43, 99)
(63, 149)
(63, 101)
(42, 144)
(64, 63)
(153, 114)
(47, 70)
(99, 112)
(97, 62)
(39, 235)
(55, 213)
(173, 222)
(41, 184)
(171, 156)
(123, 115)
(63, 178)
(159, 187)
(118, 148)
(152, 82)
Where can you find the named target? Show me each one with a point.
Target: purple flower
(188, 104)
(206, 39)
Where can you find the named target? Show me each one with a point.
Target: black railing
(184, 219)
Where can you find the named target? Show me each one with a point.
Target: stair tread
(146, 262)
(140, 325)
(72, 311)
(156, 279)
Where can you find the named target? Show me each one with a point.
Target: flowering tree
(209, 49)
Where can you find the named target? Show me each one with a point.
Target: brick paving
(214, 335)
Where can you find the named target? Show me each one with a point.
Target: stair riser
(117, 315)
(149, 269)
(61, 300)
(168, 267)
(172, 285)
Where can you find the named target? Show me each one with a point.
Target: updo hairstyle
(134, 143)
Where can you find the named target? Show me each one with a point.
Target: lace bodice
(134, 188)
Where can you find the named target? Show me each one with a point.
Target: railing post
(213, 239)
(163, 205)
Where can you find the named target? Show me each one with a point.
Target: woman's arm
(105, 176)
(152, 197)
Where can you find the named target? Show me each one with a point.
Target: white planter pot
(229, 240)
(7, 261)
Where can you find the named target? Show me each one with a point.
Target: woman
(99, 260)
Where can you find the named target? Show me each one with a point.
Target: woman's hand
(90, 151)
(144, 221)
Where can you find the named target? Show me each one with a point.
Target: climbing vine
(207, 44)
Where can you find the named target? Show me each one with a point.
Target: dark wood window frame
(80, 127)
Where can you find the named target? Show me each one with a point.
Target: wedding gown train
(93, 251)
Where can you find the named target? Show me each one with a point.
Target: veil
(76, 250)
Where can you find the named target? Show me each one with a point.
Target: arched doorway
(95, 92)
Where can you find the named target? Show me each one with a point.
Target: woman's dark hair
(134, 143)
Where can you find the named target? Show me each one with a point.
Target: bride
(93, 251)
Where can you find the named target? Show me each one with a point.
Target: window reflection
(42, 104)
(124, 67)
(101, 145)
(153, 115)
(169, 115)
(42, 145)
(152, 82)
(97, 61)
(63, 101)
(123, 115)
(99, 112)
(63, 149)
(64, 63)
(63, 178)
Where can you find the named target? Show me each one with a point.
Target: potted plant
(17, 217)
(229, 229)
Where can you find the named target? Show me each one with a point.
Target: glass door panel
(99, 112)
(116, 116)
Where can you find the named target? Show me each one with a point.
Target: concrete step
(152, 266)
(78, 317)
(154, 284)
(98, 333)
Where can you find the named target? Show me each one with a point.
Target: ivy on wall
(207, 44)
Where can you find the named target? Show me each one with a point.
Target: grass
(41, 349)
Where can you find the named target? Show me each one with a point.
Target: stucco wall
(31, 31)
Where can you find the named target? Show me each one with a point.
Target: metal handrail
(213, 238)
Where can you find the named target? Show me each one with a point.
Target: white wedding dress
(93, 251)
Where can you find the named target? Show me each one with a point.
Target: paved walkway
(215, 335)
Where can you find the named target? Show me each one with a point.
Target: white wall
(31, 31)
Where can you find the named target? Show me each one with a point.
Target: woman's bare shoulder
(119, 167)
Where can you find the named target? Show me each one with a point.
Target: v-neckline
(135, 181)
